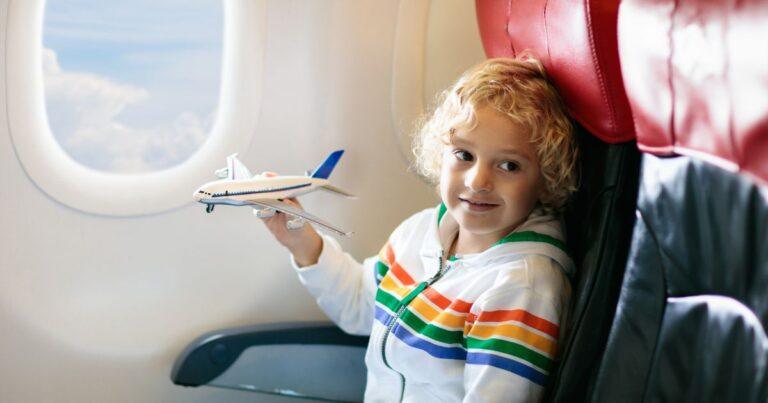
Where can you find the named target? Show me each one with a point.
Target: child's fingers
(294, 202)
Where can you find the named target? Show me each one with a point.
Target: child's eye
(509, 166)
(463, 155)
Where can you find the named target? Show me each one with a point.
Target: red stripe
(444, 303)
(517, 315)
(396, 269)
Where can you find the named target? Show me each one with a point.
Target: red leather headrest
(576, 42)
(696, 73)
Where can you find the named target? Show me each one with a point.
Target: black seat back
(691, 320)
(692, 315)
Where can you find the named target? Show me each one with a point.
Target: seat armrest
(311, 360)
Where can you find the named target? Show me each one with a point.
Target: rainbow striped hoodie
(476, 328)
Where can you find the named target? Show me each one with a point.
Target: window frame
(103, 193)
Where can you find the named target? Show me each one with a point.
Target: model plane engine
(222, 173)
(263, 212)
(295, 224)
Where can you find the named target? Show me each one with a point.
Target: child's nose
(479, 179)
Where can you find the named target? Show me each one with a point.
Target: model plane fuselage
(239, 192)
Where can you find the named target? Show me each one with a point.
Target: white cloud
(84, 111)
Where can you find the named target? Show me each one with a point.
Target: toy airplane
(265, 194)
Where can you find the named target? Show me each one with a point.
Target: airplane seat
(693, 311)
(577, 43)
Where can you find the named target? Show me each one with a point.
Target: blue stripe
(382, 316)
(450, 353)
(507, 365)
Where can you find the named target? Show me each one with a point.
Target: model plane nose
(198, 195)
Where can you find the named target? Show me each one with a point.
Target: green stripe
(411, 295)
(381, 268)
(384, 298)
(511, 348)
(391, 302)
(433, 332)
(441, 212)
(530, 236)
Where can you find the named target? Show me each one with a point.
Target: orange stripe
(432, 315)
(445, 303)
(517, 315)
(396, 269)
(528, 337)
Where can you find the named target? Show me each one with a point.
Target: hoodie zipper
(403, 305)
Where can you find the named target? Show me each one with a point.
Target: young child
(466, 301)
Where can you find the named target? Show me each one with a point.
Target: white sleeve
(512, 340)
(344, 289)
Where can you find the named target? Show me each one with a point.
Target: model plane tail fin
(334, 189)
(236, 169)
(324, 170)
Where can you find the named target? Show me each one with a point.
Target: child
(466, 301)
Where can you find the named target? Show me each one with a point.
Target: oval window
(149, 140)
(131, 86)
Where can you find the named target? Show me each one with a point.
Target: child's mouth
(476, 205)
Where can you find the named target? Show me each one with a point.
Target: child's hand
(304, 243)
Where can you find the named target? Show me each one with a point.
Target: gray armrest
(308, 360)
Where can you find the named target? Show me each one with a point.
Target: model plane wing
(288, 209)
(338, 191)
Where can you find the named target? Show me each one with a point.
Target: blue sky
(148, 71)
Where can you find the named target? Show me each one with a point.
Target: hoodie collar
(540, 234)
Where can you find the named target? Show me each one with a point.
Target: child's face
(490, 179)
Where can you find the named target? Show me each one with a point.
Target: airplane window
(149, 96)
(132, 86)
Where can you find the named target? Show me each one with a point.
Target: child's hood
(540, 234)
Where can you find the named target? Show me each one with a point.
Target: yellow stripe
(390, 285)
(528, 337)
(433, 315)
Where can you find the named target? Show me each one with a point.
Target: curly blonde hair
(519, 89)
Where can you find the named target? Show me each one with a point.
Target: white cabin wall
(96, 308)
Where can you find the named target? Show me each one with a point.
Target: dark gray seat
(693, 311)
